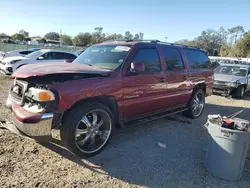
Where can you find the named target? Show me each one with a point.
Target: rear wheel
(87, 129)
(196, 104)
(239, 93)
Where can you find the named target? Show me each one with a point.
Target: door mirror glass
(136, 67)
(40, 58)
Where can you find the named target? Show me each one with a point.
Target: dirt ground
(132, 158)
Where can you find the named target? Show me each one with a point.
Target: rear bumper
(35, 126)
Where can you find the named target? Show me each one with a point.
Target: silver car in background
(232, 79)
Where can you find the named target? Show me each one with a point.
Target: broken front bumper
(222, 89)
(35, 126)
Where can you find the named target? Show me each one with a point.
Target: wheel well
(201, 86)
(108, 101)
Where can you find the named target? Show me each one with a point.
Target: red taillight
(69, 61)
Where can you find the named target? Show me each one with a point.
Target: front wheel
(239, 93)
(196, 104)
(87, 129)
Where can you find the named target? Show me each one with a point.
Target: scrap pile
(230, 122)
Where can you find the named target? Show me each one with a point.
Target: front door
(145, 92)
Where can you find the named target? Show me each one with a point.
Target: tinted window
(197, 59)
(173, 59)
(53, 55)
(150, 58)
(69, 56)
(25, 52)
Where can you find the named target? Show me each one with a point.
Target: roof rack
(133, 40)
(150, 41)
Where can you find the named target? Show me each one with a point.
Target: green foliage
(128, 35)
(66, 39)
(52, 36)
(236, 32)
(18, 36)
(24, 33)
(82, 39)
(216, 42)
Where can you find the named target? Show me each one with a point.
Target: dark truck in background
(112, 84)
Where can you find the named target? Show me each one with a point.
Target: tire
(239, 92)
(193, 101)
(76, 120)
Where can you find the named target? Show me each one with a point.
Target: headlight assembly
(232, 84)
(15, 61)
(41, 95)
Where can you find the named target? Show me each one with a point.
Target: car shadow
(133, 155)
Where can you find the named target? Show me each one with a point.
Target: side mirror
(136, 67)
(40, 58)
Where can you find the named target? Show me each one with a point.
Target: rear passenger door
(200, 70)
(145, 92)
(176, 76)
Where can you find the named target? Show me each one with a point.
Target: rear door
(144, 93)
(200, 68)
(176, 76)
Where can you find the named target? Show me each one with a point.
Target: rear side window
(197, 59)
(173, 59)
(151, 59)
(69, 56)
(54, 55)
(25, 52)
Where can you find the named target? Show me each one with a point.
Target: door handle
(162, 80)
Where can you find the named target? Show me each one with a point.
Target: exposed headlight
(232, 84)
(15, 61)
(41, 94)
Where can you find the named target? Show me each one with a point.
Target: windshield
(103, 56)
(34, 54)
(231, 70)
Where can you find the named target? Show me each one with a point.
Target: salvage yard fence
(9, 47)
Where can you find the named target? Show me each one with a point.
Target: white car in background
(17, 53)
(10, 64)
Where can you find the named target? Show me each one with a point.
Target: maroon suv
(115, 83)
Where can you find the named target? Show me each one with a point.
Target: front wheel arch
(108, 101)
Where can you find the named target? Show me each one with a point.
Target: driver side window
(150, 58)
(46, 56)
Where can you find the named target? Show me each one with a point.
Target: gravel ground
(132, 158)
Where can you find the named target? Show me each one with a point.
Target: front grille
(220, 82)
(17, 92)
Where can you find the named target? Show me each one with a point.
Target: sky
(157, 19)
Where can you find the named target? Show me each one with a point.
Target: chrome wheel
(93, 131)
(198, 104)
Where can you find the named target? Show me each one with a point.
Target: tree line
(233, 42)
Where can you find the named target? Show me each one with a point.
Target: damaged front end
(35, 105)
(32, 110)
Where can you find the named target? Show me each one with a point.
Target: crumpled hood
(226, 78)
(9, 59)
(41, 69)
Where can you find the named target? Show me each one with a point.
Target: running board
(135, 122)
